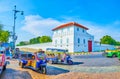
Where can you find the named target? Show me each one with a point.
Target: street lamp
(14, 37)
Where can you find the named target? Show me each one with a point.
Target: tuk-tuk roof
(57, 50)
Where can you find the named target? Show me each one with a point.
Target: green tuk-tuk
(111, 53)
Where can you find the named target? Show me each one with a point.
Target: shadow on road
(90, 56)
(14, 74)
(74, 63)
(51, 70)
(77, 63)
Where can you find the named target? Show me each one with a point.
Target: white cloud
(38, 25)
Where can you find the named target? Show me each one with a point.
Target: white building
(74, 37)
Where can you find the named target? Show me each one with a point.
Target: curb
(80, 53)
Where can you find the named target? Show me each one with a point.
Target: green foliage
(23, 43)
(109, 40)
(36, 40)
(4, 35)
(45, 39)
(1, 26)
(118, 43)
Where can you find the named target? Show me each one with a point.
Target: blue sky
(40, 16)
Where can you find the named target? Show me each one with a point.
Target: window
(61, 41)
(77, 29)
(67, 41)
(83, 41)
(78, 40)
(55, 41)
(83, 30)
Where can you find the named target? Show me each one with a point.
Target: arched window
(78, 40)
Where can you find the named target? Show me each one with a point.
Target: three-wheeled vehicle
(35, 61)
(118, 55)
(111, 53)
(59, 57)
(3, 62)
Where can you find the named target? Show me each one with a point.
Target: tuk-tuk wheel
(70, 62)
(21, 65)
(113, 56)
(44, 70)
(50, 61)
(4, 68)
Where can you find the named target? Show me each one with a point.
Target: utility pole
(14, 37)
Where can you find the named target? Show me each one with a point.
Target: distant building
(74, 37)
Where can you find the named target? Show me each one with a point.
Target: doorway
(89, 46)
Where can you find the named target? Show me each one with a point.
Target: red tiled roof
(69, 24)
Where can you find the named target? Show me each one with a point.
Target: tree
(1, 26)
(107, 40)
(45, 39)
(4, 35)
(36, 40)
(118, 43)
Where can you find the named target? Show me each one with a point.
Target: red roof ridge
(69, 24)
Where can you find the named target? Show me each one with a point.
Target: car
(36, 61)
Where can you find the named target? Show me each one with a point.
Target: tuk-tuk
(35, 61)
(54, 57)
(111, 53)
(118, 55)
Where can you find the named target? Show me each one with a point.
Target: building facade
(73, 37)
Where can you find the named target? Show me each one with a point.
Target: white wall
(98, 47)
(72, 33)
(82, 35)
(64, 34)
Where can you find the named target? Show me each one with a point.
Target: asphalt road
(12, 72)
(82, 63)
(94, 62)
